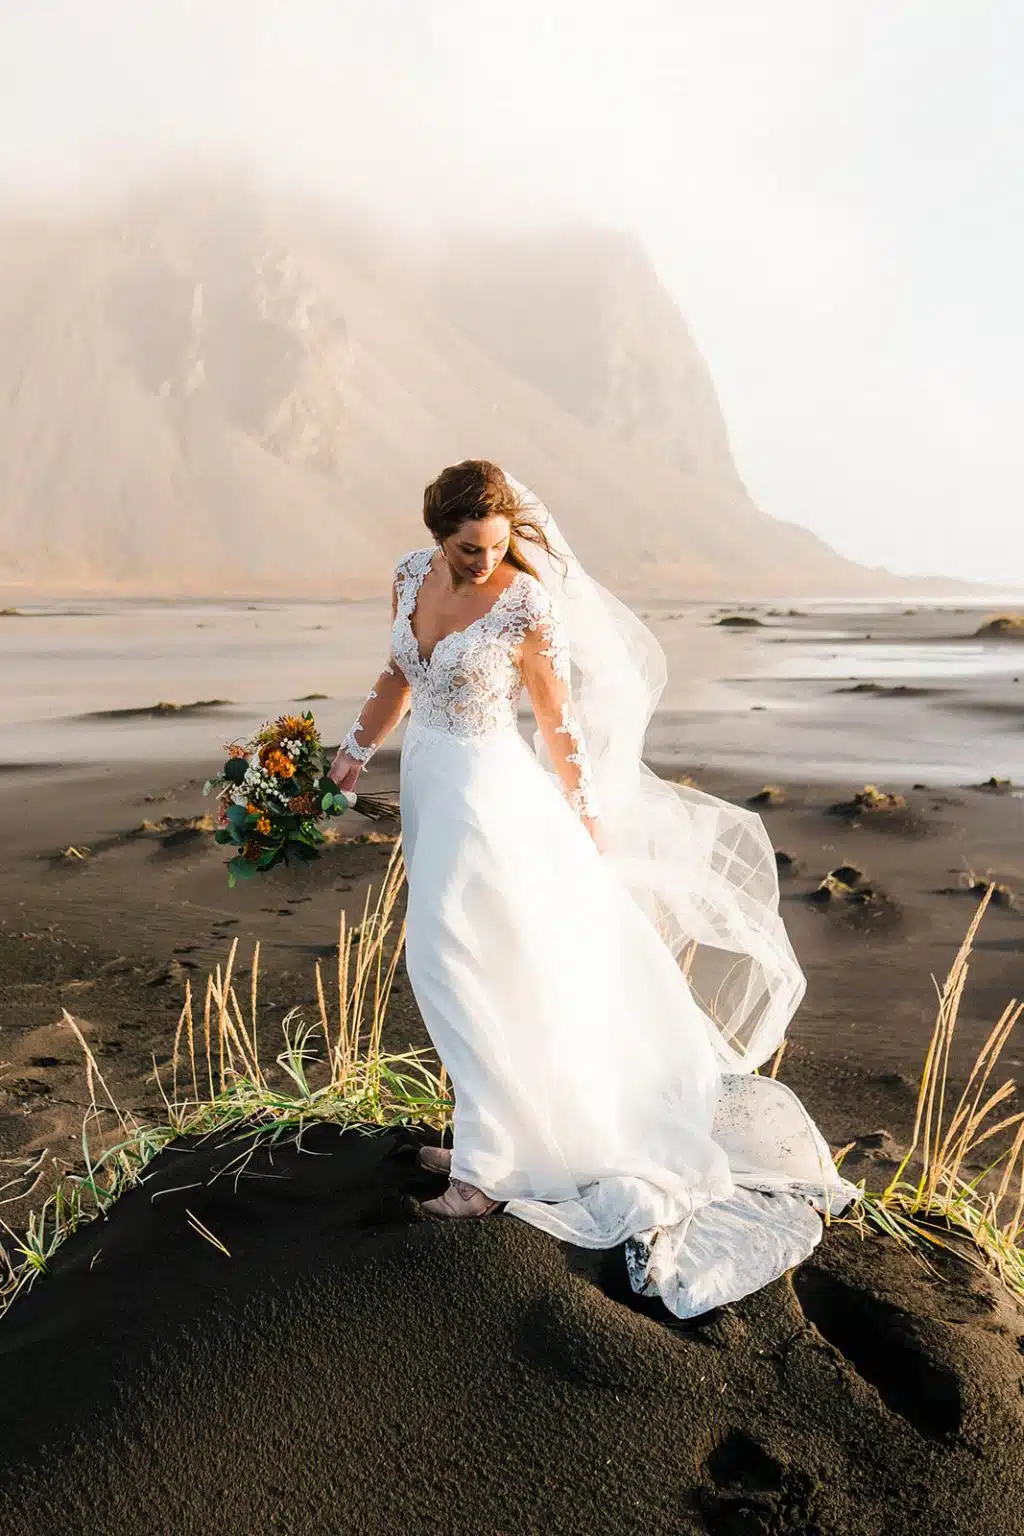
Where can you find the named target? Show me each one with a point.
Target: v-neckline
(425, 662)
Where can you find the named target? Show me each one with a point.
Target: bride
(597, 953)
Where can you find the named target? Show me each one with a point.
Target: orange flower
(293, 726)
(253, 810)
(234, 750)
(279, 763)
(263, 826)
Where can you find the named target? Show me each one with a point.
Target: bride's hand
(344, 770)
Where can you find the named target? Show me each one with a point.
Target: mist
(832, 195)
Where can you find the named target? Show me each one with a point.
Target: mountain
(582, 317)
(209, 389)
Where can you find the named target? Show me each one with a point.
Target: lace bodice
(471, 685)
(472, 682)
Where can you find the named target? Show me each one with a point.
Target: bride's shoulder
(415, 561)
(534, 595)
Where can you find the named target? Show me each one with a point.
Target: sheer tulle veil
(703, 870)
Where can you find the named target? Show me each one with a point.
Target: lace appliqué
(581, 798)
(349, 745)
(472, 682)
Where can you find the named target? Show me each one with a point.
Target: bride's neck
(457, 585)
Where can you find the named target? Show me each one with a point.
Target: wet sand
(142, 681)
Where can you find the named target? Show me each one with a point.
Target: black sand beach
(344, 1367)
(349, 1367)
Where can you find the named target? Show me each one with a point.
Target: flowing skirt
(588, 1093)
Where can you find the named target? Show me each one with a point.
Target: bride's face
(477, 547)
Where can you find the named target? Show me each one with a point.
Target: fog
(832, 193)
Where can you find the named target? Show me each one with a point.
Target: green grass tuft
(332, 1069)
(966, 1191)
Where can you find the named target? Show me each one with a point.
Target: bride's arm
(383, 707)
(545, 668)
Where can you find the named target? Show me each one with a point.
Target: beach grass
(960, 1184)
(332, 1069)
(951, 1191)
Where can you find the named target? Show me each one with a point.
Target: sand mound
(156, 711)
(1006, 625)
(882, 811)
(348, 1366)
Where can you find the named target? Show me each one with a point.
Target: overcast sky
(832, 191)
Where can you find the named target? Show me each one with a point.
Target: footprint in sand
(878, 1340)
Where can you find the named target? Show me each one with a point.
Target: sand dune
(336, 1364)
(206, 389)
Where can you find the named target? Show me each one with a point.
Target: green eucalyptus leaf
(310, 839)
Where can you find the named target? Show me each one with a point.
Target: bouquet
(272, 791)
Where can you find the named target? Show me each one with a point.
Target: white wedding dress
(592, 1090)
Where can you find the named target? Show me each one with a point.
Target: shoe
(435, 1159)
(460, 1199)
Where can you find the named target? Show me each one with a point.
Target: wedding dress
(594, 1093)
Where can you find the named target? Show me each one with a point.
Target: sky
(832, 192)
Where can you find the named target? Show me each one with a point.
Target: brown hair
(475, 489)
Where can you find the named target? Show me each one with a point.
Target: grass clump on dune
(217, 1084)
(964, 1194)
(333, 1069)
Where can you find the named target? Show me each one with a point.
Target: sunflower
(296, 726)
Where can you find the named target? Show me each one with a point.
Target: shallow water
(921, 661)
(62, 670)
(763, 696)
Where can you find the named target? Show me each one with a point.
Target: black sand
(350, 1367)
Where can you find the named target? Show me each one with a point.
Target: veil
(701, 869)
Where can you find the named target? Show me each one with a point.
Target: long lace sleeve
(546, 673)
(383, 707)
